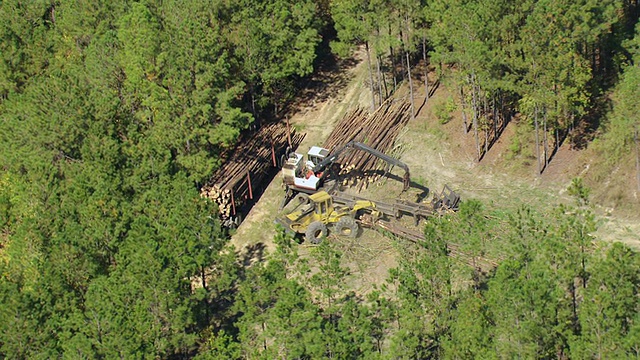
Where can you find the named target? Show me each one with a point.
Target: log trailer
(308, 176)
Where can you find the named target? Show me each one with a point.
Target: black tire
(347, 226)
(316, 231)
(238, 219)
(283, 160)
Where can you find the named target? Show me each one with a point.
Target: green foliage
(515, 147)
(275, 41)
(580, 191)
(113, 113)
(623, 122)
(470, 334)
(444, 110)
(329, 279)
(277, 315)
(609, 311)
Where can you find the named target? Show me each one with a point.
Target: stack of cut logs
(378, 130)
(245, 168)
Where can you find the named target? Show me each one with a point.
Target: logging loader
(312, 215)
(308, 176)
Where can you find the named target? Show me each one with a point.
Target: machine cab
(323, 204)
(316, 155)
(299, 173)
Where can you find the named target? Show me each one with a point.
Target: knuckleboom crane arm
(360, 146)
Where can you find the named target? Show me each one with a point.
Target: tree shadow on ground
(586, 128)
(253, 253)
(330, 77)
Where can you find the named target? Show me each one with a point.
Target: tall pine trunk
(393, 69)
(485, 125)
(535, 121)
(545, 141)
(495, 118)
(253, 100)
(574, 306)
(379, 71)
(413, 113)
(637, 141)
(474, 105)
(384, 80)
(463, 104)
(486, 136)
(426, 70)
(393, 63)
(402, 49)
(373, 92)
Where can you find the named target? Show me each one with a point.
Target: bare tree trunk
(253, 101)
(264, 342)
(379, 80)
(373, 93)
(393, 63)
(574, 305)
(485, 125)
(503, 115)
(535, 121)
(393, 69)
(203, 276)
(403, 49)
(545, 140)
(637, 157)
(463, 104)
(474, 105)
(413, 113)
(426, 70)
(384, 82)
(495, 118)
(486, 135)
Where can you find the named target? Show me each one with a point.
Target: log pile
(378, 130)
(245, 168)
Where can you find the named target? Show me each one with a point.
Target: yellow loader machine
(314, 213)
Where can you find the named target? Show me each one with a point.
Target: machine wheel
(283, 160)
(315, 232)
(347, 226)
(238, 219)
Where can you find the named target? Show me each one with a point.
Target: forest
(113, 115)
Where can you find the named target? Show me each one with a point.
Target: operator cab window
(322, 208)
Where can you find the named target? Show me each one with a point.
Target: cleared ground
(437, 155)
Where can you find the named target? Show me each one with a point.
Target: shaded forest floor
(437, 154)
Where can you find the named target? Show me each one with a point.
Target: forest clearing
(439, 156)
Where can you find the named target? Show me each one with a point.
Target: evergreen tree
(609, 313)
